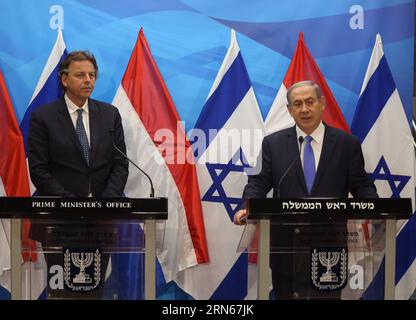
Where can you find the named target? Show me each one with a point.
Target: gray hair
(309, 83)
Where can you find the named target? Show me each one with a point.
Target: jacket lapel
(65, 119)
(293, 150)
(328, 146)
(94, 128)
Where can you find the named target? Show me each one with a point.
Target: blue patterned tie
(309, 164)
(82, 136)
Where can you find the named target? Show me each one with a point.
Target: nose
(304, 108)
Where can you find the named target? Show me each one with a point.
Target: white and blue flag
(47, 90)
(48, 87)
(226, 140)
(383, 129)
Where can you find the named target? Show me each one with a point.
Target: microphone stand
(152, 190)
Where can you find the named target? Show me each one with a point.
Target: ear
(322, 101)
(289, 109)
(64, 80)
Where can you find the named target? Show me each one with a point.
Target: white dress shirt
(72, 109)
(316, 143)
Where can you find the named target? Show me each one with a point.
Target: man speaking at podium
(71, 150)
(310, 159)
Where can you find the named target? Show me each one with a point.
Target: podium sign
(323, 208)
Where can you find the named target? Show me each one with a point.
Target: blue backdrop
(188, 39)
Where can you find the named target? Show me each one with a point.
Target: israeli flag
(227, 139)
(383, 129)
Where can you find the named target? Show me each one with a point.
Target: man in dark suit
(70, 147)
(69, 144)
(332, 165)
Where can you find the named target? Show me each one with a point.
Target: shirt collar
(317, 135)
(72, 107)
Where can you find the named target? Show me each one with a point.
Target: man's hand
(240, 217)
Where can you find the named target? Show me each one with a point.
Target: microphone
(300, 140)
(152, 190)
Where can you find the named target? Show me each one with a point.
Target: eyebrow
(308, 98)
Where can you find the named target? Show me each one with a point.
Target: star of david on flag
(396, 182)
(383, 129)
(231, 106)
(219, 172)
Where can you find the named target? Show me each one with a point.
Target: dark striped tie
(82, 136)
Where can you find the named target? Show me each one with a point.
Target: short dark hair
(77, 56)
(310, 83)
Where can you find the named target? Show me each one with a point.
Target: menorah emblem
(329, 259)
(82, 260)
(88, 260)
(329, 268)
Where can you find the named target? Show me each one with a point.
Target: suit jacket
(340, 171)
(56, 162)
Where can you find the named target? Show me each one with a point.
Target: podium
(318, 235)
(93, 224)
